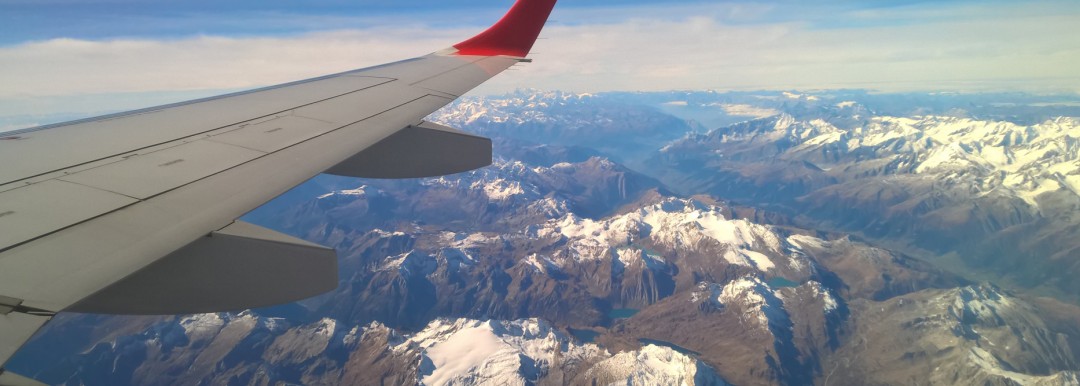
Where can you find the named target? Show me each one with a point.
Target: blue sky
(27, 20)
(86, 56)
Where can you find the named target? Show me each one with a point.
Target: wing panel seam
(446, 72)
(27, 241)
(10, 247)
(390, 80)
(125, 114)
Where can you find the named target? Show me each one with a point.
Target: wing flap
(238, 267)
(8, 378)
(423, 150)
(15, 329)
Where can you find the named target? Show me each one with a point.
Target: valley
(613, 242)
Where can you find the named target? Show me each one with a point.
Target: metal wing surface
(135, 213)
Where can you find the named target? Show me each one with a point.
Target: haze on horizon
(72, 56)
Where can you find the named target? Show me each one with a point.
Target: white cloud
(68, 66)
(680, 47)
(698, 53)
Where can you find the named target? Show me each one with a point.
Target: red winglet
(514, 34)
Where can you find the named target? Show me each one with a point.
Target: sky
(63, 58)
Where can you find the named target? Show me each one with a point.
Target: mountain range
(829, 238)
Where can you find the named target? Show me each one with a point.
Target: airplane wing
(135, 213)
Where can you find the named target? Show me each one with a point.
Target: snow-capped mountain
(559, 264)
(252, 349)
(654, 251)
(1023, 160)
(612, 126)
(652, 365)
(973, 335)
(673, 229)
(938, 183)
(530, 351)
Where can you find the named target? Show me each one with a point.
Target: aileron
(15, 329)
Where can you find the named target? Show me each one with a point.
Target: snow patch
(674, 223)
(358, 192)
(825, 295)
(760, 261)
(202, 324)
(804, 241)
(499, 189)
(464, 352)
(476, 240)
(760, 304)
(653, 365)
(743, 110)
(474, 352)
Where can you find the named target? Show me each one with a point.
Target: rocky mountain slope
(250, 349)
(719, 298)
(559, 265)
(1002, 197)
(974, 335)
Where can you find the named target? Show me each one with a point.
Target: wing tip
(514, 34)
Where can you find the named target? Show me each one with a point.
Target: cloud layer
(779, 45)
